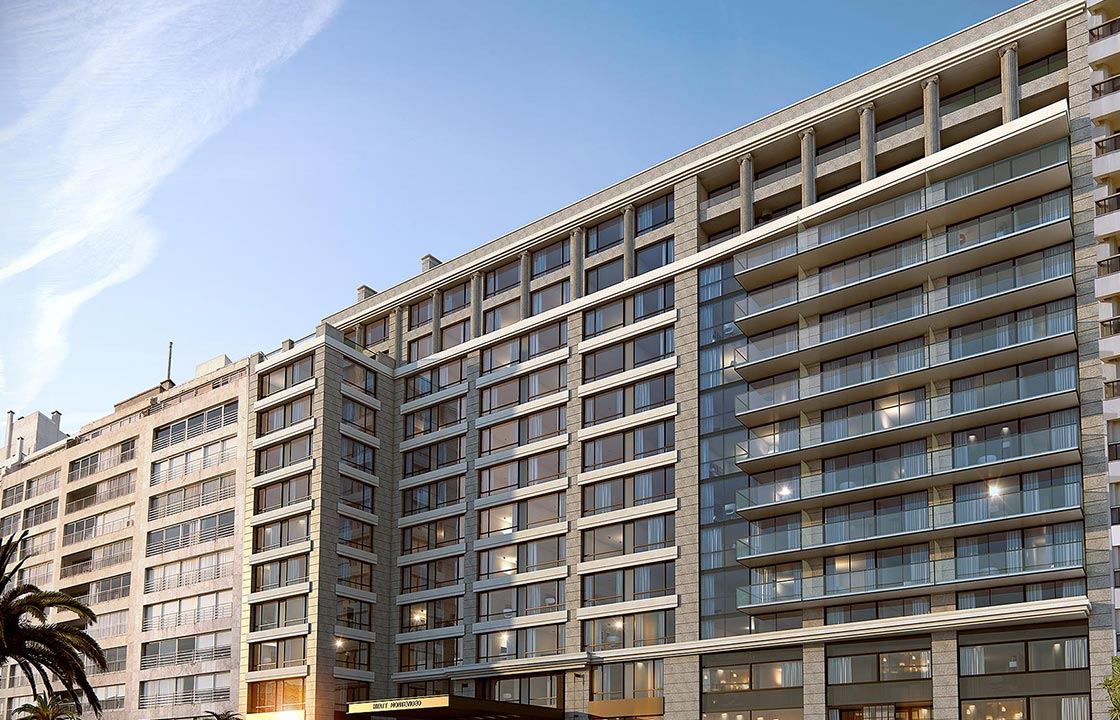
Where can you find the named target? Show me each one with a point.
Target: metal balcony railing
(91, 565)
(218, 420)
(75, 536)
(178, 471)
(170, 582)
(189, 617)
(193, 502)
(188, 539)
(100, 497)
(195, 697)
(1108, 29)
(185, 657)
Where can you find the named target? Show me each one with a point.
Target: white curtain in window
(1057, 261)
(791, 673)
(643, 489)
(711, 548)
(603, 496)
(1075, 708)
(642, 583)
(972, 660)
(1076, 652)
(655, 531)
(839, 670)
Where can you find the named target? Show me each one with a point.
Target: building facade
(815, 420)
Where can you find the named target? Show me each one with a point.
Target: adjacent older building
(813, 421)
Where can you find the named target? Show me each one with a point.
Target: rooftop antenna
(169, 344)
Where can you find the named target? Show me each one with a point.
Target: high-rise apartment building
(812, 422)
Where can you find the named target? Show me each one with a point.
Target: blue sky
(249, 167)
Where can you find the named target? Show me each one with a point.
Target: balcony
(1001, 510)
(1027, 227)
(1029, 394)
(901, 316)
(186, 579)
(1009, 454)
(1029, 338)
(196, 538)
(988, 569)
(1104, 41)
(1109, 347)
(722, 202)
(186, 657)
(1104, 104)
(193, 502)
(81, 503)
(1036, 172)
(188, 617)
(85, 566)
(77, 536)
(190, 697)
(202, 463)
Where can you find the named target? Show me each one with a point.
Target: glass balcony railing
(1006, 277)
(939, 193)
(1111, 389)
(1110, 327)
(1108, 29)
(721, 195)
(906, 462)
(1023, 217)
(903, 414)
(997, 504)
(1043, 67)
(1045, 558)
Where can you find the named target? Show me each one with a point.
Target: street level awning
(451, 707)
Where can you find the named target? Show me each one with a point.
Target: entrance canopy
(451, 707)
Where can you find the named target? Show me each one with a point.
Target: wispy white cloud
(107, 99)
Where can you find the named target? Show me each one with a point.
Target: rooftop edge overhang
(451, 707)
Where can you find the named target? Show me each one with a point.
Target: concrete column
(943, 657)
(628, 232)
(746, 193)
(575, 256)
(1009, 80)
(931, 113)
(814, 689)
(398, 334)
(808, 166)
(867, 142)
(437, 301)
(526, 274)
(476, 304)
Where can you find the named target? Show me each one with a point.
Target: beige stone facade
(810, 421)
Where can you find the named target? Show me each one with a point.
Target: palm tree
(1111, 685)
(224, 715)
(53, 707)
(41, 648)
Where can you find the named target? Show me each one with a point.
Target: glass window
(653, 256)
(549, 297)
(456, 298)
(501, 316)
(604, 276)
(419, 313)
(503, 278)
(603, 236)
(550, 258)
(655, 214)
